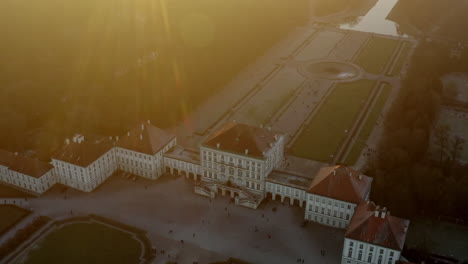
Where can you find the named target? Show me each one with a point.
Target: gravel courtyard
(212, 231)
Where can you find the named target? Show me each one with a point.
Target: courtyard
(210, 230)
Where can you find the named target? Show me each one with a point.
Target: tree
(441, 136)
(455, 147)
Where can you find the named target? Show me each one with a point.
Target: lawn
(86, 243)
(10, 216)
(368, 126)
(376, 54)
(9, 192)
(400, 61)
(326, 131)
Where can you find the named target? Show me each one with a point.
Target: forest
(406, 178)
(99, 66)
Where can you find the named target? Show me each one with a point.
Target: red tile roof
(27, 166)
(236, 138)
(83, 154)
(145, 138)
(341, 183)
(388, 231)
(6, 158)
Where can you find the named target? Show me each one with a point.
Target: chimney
(246, 151)
(67, 141)
(16, 153)
(360, 176)
(117, 138)
(276, 137)
(217, 145)
(269, 128)
(384, 212)
(261, 125)
(141, 137)
(376, 212)
(334, 172)
(128, 133)
(350, 174)
(148, 121)
(263, 153)
(142, 126)
(110, 138)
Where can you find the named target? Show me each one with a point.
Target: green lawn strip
(86, 243)
(405, 50)
(10, 192)
(376, 54)
(368, 125)
(10, 216)
(262, 113)
(325, 132)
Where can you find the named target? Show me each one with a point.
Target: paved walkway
(219, 226)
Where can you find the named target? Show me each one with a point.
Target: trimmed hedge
(21, 214)
(22, 235)
(232, 261)
(149, 253)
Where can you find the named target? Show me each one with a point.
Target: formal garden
(10, 216)
(376, 54)
(89, 240)
(368, 126)
(401, 59)
(327, 130)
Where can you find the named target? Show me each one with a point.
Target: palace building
(27, 173)
(334, 194)
(374, 236)
(244, 162)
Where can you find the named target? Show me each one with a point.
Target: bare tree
(455, 148)
(441, 135)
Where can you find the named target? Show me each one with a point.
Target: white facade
(242, 170)
(142, 164)
(185, 168)
(358, 252)
(37, 185)
(328, 211)
(284, 191)
(86, 178)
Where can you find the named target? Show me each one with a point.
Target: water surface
(375, 20)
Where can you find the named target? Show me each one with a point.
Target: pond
(332, 70)
(375, 20)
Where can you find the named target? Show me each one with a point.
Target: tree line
(414, 174)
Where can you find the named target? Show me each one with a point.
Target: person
(193, 234)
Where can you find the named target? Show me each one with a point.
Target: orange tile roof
(83, 154)
(29, 166)
(388, 231)
(22, 164)
(341, 183)
(236, 138)
(149, 140)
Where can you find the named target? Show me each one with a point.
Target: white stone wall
(86, 178)
(219, 166)
(36, 185)
(4, 174)
(358, 252)
(328, 211)
(182, 166)
(283, 191)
